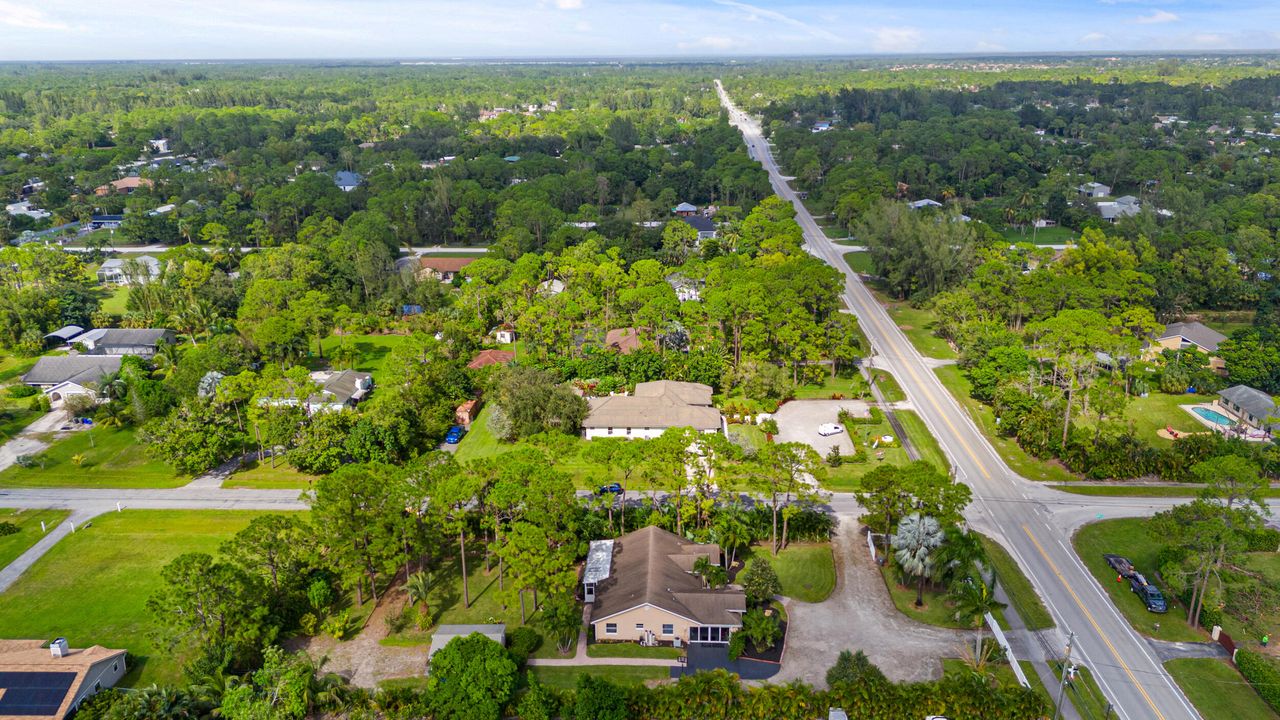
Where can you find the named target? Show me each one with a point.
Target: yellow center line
(1089, 616)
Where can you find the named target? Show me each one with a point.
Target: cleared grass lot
(92, 587)
(371, 352)
(1217, 690)
(807, 571)
(29, 532)
(261, 476)
(108, 458)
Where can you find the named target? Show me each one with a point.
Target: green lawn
(93, 586)
(111, 458)
(922, 440)
(1042, 236)
(1085, 488)
(261, 476)
(1022, 596)
(888, 385)
(480, 443)
(1217, 690)
(632, 650)
(16, 415)
(29, 532)
(753, 434)
(1158, 410)
(935, 611)
(807, 571)
(114, 300)
(371, 352)
(917, 324)
(1015, 457)
(1083, 691)
(566, 677)
(11, 366)
(847, 384)
(1129, 537)
(848, 476)
(860, 262)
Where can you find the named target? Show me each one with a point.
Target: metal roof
(599, 561)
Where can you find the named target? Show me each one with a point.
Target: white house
(25, 208)
(654, 407)
(347, 180)
(922, 204)
(1094, 189)
(48, 681)
(121, 271)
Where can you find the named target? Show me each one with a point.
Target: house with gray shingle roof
(1249, 406)
(1192, 336)
(64, 376)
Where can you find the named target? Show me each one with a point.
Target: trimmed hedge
(1262, 675)
(875, 417)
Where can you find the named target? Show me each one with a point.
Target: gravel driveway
(859, 615)
(798, 421)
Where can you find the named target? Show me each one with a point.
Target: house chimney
(58, 647)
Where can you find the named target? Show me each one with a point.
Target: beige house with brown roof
(39, 680)
(651, 409)
(641, 588)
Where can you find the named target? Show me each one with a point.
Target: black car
(611, 488)
(1150, 594)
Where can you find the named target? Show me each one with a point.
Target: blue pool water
(1212, 416)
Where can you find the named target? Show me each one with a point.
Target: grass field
(1129, 537)
(917, 324)
(93, 586)
(859, 262)
(1217, 690)
(1022, 596)
(11, 366)
(1085, 488)
(1017, 458)
(110, 458)
(261, 476)
(888, 385)
(29, 532)
(935, 611)
(807, 572)
(1042, 236)
(114, 299)
(922, 440)
(848, 476)
(14, 416)
(848, 383)
(566, 677)
(632, 650)
(480, 443)
(371, 352)
(1158, 410)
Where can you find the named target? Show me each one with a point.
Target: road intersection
(1007, 507)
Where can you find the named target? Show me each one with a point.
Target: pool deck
(1221, 428)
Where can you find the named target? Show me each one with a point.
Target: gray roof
(346, 178)
(1113, 210)
(662, 404)
(1255, 402)
(918, 204)
(1196, 333)
(64, 333)
(700, 223)
(126, 337)
(686, 207)
(347, 384)
(444, 633)
(653, 567)
(78, 369)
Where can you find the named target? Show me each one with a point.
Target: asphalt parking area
(798, 421)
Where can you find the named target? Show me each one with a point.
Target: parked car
(1150, 594)
(455, 434)
(827, 429)
(1121, 565)
(611, 488)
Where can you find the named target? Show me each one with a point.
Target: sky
(229, 29)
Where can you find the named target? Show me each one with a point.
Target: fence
(1003, 642)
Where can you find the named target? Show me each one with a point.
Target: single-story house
(654, 407)
(48, 681)
(125, 341)
(63, 335)
(504, 334)
(25, 208)
(685, 209)
(641, 587)
(922, 204)
(466, 413)
(446, 633)
(1191, 335)
(340, 390)
(347, 180)
(624, 340)
(821, 126)
(485, 358)
(128, 271)
(1249, 406)
(1094, 190)
(1126, 206)
(443, 269)
(61, 377)
(105, 222)
(123, 186)
(705, 226)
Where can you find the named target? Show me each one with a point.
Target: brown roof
(485, 358)
(32, 656)
(123, 184)
(652, 566)
(662, 404)
(445, 264)
(624, 340)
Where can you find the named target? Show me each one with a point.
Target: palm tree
(731, 533)
(974, 598)
(915, 541)
(960, 552)
(418, 587)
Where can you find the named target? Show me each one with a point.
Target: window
(610, 431)
(668, 629)
(611, 628)
(115, 667)
(639, 626)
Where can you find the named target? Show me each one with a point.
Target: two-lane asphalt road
(1009, 507)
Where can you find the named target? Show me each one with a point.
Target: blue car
(455, 434)
(611, 488)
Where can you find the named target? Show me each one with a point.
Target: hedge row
(1262, 675)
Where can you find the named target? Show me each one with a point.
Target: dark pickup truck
(1148, 593)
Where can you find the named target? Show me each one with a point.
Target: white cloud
(28, 18)
(1156, 18)
(1093, 37)
(569, 4)
(988, 46)
(755, 13)
(895, 39)
(709, 42)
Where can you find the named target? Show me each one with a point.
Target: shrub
(8, 528)
(762, 630)
(338, 626)
(522, 643)
(759, 581)
(539, 703)
(307, 624)
(40, 403)
(833, 458)
(853, 669)
(1262, 675)
(21, 391)
(737, 644)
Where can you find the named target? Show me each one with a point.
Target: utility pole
(1062, 684)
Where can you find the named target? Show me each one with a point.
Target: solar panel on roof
(33, 693)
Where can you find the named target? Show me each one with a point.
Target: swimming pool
(1212, 416)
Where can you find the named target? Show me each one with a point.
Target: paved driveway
(859, 615)
(798, 421)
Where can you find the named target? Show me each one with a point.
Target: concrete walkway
(11, 572)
